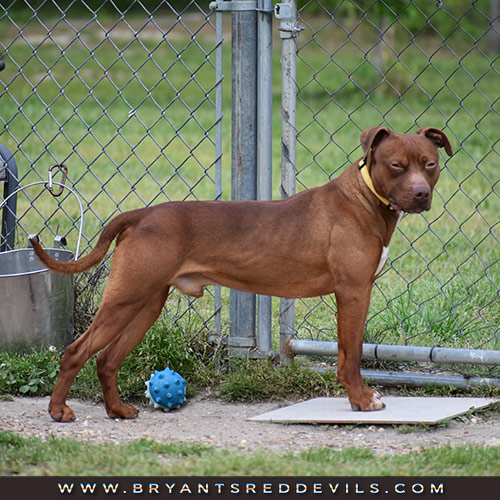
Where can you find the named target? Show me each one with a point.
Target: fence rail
(131, 101)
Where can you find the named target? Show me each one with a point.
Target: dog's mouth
(414, 207)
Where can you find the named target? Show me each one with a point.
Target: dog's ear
(371, 137)
(437, 137)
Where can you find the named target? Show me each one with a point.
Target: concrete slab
(399, 410)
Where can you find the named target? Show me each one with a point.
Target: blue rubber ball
(166, 389)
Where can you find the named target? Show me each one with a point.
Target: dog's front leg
(352, 306)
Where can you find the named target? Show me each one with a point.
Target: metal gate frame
(251, 166)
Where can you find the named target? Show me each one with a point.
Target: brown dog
(328, 239)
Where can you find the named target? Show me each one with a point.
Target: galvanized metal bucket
(36, 304)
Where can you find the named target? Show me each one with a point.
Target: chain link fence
(124, 95)
(409, 65)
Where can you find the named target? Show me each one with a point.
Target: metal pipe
(8, 169)
(243, 158)
(401, 353)
(422, 379)
(264, 150)
(287, 13)
(219, 75)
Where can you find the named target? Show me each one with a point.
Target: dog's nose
(421, 193)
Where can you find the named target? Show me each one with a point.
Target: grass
(260, 380)
(34, 374)
(68, 457)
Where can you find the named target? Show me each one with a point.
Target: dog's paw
(376, 406)
(62, 414)
(376, 402)
(123, 411)
(373, 403)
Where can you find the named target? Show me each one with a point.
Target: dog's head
(404, 168)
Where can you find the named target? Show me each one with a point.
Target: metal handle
(63, 186)
(50, 184)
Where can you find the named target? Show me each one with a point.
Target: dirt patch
(212, 422)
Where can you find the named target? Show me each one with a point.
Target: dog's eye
(396, 166)
(430, 165)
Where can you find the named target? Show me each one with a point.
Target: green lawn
(68, 457)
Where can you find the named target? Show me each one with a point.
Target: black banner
(387, 488)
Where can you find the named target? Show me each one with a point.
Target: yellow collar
(368, 180)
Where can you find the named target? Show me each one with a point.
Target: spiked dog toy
(166, 389)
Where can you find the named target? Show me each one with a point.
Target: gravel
(211, 422)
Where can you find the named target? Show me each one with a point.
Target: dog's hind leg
(112, 357)
(116, 313)
(105, 327)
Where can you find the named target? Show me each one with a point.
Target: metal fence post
(243, 157)
(219, 38)
(265, 153)
(287, 14)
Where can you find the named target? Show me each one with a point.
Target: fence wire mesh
(409, 65)
(124, 96)
(121, 93)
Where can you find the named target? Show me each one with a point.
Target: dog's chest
(385, 250)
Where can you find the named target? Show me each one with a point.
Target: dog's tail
(109, 233)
